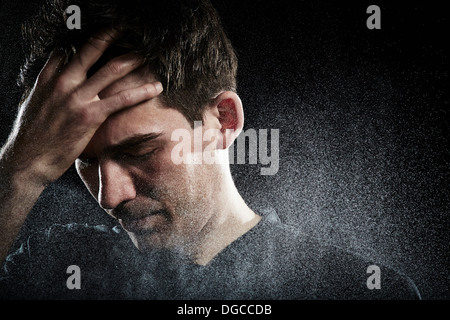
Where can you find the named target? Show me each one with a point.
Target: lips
(146, 223)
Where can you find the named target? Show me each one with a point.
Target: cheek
(173, 184)
(159, 173)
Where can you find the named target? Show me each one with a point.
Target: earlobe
(231, 116)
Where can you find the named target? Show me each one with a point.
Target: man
(108, 99)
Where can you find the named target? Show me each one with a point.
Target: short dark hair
(182, 42)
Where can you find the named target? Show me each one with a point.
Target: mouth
(148, 222)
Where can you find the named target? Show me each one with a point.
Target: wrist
(17, 174)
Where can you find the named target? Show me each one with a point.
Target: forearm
(18, 194)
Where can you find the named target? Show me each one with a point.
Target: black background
(362, 120)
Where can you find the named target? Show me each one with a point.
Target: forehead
(150, 116)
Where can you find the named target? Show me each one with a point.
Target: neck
(233, 218)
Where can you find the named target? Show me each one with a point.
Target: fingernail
(158, 87)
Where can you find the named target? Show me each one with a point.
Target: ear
(229, 112)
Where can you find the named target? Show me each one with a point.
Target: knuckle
(79, 111)
(149, 90)
(61, 84)
(114, 67)
(96, 42)
(74, 99)
(125, 97)
(83, 115)
(144, 91)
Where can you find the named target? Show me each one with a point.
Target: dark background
(362, 119)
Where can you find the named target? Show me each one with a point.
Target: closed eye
(135, 154)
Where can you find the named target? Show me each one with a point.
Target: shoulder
(65, 240)
(42, 260)
(327, 271)
(57, 231)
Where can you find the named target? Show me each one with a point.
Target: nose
(115, 185)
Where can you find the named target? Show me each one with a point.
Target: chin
(148, 241)
(155, 240)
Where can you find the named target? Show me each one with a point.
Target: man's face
(127, 167)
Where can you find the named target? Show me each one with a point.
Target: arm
(54, 125)
(17, 196)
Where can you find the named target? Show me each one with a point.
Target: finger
(90, 52)
(52, 67)
(129, 98)
(112, 71)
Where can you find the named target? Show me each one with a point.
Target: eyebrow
(132, 141)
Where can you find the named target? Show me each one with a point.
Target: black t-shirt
(271, 261)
